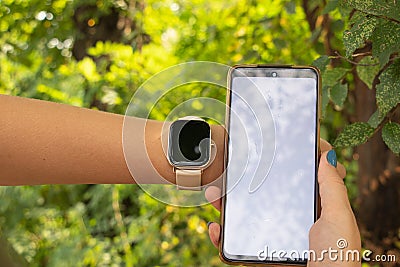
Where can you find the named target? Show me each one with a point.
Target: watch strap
(188, 179)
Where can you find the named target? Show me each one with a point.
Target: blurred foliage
(95, 54)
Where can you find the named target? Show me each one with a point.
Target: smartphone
(270, 183)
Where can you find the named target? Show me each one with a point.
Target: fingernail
(208, 224)
(331, 157)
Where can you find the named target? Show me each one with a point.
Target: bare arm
(48, 143)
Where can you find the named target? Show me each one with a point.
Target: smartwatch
(189, 151)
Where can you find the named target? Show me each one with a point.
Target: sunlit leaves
(354, 134)
(249, 34)
(88, 69)
(116, 50)
(54, 94)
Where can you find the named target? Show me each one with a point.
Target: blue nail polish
(331, 157)
(208, 224)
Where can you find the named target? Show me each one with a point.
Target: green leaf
(388, 90)
(331, 76)
(354, 134)
(367, 73)
(338, 94)
(359, 33)
(88, 69)
(279, 43)
(385, 40)
(325, 100)
(375, 119)
(391, 136)
(389, 9)
(330, 6)
(321, 62)
(337, 25)
(290, 7)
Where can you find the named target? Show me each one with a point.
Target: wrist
(156, 150)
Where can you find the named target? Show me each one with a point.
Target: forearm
(49, 143)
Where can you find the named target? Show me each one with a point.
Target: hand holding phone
(270, 189)
(336, 220)
(335, 208)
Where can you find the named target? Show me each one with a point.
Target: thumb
(332, 190)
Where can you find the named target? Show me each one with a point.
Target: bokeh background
(95, 54)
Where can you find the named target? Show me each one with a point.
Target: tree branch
(338, 55)
(311, 15)
(362, 54)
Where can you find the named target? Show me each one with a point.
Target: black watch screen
(189, 143)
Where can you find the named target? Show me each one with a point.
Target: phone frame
(317, 202)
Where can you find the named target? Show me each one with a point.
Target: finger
(341, 170)
(214, 231)
(332, 190)
(213, 195)
(324, 145)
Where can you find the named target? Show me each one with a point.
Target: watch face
(189, 143)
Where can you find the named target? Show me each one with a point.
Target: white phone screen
(271, 169)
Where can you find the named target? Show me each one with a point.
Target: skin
(336, 221)
(49, 143)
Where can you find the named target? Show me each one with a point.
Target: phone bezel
(268, 70)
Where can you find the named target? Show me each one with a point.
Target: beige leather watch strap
(188, 179)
